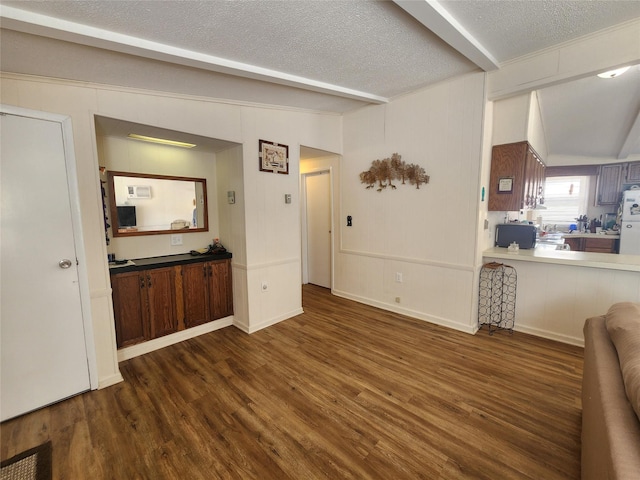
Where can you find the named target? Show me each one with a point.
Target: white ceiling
(326, 55)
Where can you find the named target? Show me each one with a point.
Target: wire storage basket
(497, 297)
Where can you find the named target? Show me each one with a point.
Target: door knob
(64, 263)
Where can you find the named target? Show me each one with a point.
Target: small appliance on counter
(524, 235)
(630, 223)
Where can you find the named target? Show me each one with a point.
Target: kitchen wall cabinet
(144, 305)
(207, 293)
(517, 177)
(151, 302)
(609, 184)
(633, 172)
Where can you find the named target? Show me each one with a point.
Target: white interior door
(43, 357)
(318, 200)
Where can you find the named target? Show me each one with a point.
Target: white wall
(118, 154)
(271, 229)
(429, 234)
(535, 129)
(230, 177)
(510, 119)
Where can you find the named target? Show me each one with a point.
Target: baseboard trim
(558, 337)
(267, 323)
(445, 322)
(158, 343)
(110, 380)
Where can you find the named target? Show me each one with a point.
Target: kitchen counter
(609, 261)
(557, 290)
(590, 235)
(165, 261)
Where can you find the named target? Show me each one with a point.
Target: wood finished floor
(341, 391)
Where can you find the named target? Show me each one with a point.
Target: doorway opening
(317, 174)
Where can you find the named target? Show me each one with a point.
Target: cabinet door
(609, 180)
(633, 172)
(539, 190)
(531, 163)
(221, 292)
(575, 243)
(129, 309)
(161, 301)
(507, 162)
(195, 294)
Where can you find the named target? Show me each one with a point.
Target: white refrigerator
(630, 223)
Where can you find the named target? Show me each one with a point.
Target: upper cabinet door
(609, 184)
(633, 172)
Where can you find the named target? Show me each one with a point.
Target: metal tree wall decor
(385, 171)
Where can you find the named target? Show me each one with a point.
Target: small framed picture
(273, 157)
(505, 185)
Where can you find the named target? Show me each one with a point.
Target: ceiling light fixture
(613, 73)
(161, 141)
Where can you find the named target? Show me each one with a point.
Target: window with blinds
(565, 198)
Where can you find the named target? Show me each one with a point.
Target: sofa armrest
(610, 427)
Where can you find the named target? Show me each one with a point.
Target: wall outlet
(398, 277)
(264, 286)
(176, 239)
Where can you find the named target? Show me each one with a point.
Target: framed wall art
(273, 157)
(505, 185)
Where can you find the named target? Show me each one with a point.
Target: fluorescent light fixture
(161, 141)
(613, 73)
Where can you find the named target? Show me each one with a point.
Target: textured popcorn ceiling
(369, 46)
(365, 45)
(330, 55)
(512, 28)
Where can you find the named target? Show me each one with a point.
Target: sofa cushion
(623, 325)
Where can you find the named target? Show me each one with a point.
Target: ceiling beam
(433, 16)
(45, 26)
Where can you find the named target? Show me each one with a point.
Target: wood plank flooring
(343, 391)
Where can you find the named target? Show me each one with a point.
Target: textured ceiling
(327, 55)
(513, 28)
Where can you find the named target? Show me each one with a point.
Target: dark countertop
(165, 261)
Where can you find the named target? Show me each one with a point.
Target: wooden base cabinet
(127, 291)
(592, 244)
(150, 303)
(207, 292)
(144, 305)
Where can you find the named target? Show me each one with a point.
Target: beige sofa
(611, 395)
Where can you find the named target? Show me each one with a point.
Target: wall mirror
(145, 204)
